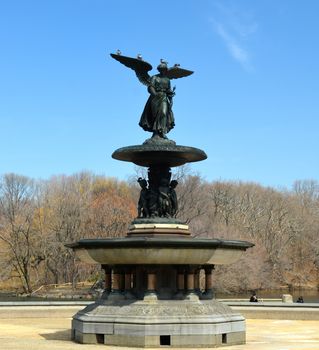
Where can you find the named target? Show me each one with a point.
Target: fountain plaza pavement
(49, 328)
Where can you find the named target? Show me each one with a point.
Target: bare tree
(17, 231)
(67, 202)
(38, 218)
(112, 208)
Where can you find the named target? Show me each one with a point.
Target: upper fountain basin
(146, 250)
(163, 153)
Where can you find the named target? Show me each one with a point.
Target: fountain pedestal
(153, 322)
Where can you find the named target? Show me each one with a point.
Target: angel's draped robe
(157, 116)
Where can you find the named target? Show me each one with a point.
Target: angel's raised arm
(140, 67)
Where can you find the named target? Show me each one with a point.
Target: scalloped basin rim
(144, 250)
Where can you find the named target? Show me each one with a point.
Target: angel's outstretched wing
(176, 72)
(138, 65)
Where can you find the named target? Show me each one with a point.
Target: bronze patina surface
(169, 155)
(157, 116)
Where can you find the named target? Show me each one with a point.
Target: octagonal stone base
(155, 323)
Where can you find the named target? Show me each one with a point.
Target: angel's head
(162, 67)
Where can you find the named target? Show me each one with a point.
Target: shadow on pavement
(59, 335)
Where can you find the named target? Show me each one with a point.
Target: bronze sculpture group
(157, 197)
(157, 202)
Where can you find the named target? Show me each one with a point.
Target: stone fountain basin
(159, 153)
(146, 250)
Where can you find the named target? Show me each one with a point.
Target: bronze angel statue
(157, 116)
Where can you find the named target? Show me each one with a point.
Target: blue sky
(252, 103)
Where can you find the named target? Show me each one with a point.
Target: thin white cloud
(237, 52)
(235, 27)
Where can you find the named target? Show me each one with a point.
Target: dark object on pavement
(253, 298)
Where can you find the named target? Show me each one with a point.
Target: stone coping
(83, 303)
(41, 310)
(271, 304)
(45, 303)
(151, 242)
(162, 226)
